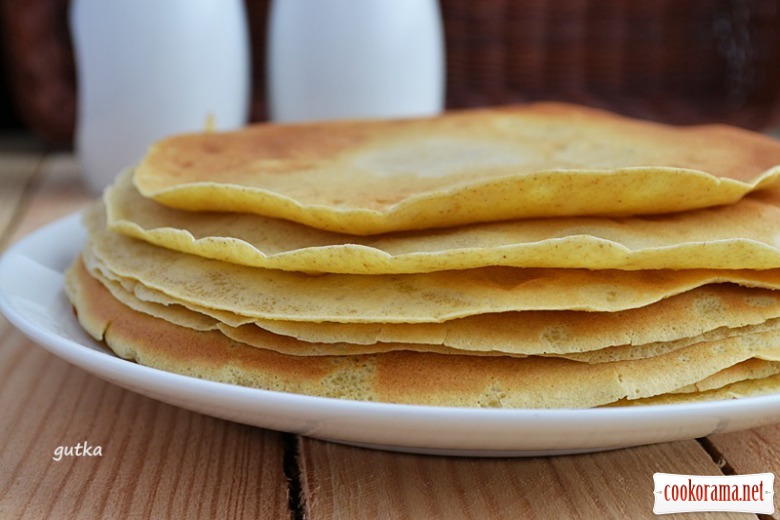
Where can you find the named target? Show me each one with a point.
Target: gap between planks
(340, 481)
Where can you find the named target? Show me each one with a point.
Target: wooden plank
(17, 170)
(57, 192)
(157, 461)
(751, 451)
(346, 482)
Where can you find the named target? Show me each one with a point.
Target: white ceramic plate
(31, 297)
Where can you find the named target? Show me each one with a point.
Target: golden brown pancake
(743, 235)
(745, 371)
(539, 160)
(740, 389)
(400, 377)
(538, 256)
(704, 314)
(255, 293)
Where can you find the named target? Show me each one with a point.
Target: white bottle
(335, 59)
(149, 68)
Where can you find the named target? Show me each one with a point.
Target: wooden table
(159, 461)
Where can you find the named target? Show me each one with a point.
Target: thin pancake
(587, 337)
(747, 370)
(249, 334)
(692, 313)
(415, 298)
(743, 235)
(364, 177)
(741, 389)
(400, 377)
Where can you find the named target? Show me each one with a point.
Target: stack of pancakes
(540, 256)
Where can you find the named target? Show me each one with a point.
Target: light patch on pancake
(440, 157)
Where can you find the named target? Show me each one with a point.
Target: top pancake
(541, 160)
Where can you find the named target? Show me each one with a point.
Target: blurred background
(678, 61)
